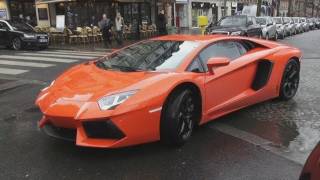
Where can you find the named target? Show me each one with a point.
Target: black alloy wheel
(290, 80)
(16, 43)
(178, 118)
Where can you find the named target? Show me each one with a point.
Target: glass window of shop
(89, 12)
(85, 13)
(23, 10)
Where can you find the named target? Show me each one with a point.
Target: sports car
(161, 88)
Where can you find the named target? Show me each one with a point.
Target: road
(269, 141)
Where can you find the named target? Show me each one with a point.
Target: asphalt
(266, 141)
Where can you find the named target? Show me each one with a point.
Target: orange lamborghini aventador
(160, 89)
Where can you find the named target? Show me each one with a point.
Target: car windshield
(277, 20)
(303, 20)
(20, 26)
(261, 21)
(151, 55)
(233, 21)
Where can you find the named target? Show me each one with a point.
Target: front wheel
(16, 43)
(290, 80)
(178, 118)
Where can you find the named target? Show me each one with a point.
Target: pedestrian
(105, 26)
(162, 23)
(119, 28)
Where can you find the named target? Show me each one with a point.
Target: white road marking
(28, 64)
(27, 58)
(256, 140)
(58, 55)
(10, 71)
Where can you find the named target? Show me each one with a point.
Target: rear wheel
(178, 118)
(290, 80)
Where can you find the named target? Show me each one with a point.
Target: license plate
(43, 40)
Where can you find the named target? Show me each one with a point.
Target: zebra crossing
(21, 62)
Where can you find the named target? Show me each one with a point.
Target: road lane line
(10, 71)
(79, 56)
(17, 57)
(27, 64)
(257, 141)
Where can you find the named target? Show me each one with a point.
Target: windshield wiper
(127, 68)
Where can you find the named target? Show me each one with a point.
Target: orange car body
(72, 99)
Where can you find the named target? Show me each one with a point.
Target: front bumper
(86, 126)
(35, 42)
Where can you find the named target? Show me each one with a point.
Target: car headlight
(235, 33)
(29, 35)
(112, 101)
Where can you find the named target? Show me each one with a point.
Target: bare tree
(259, 7)
(278, 7)
(289, 8)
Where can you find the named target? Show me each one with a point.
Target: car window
(195, 66)
(220, 49)
(3, 25)
(241, 48)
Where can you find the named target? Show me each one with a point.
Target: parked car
(289, 26)
(305, 25)
(240, 25)
(269, 29)
(111, 102)
(311, 24)
(311, 169)
(18, 35)
(317, 22)
(280, 27)
(299, 26)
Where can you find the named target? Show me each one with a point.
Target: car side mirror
(249, 23)
(217, 62)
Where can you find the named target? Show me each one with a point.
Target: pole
(278, 7)
(224, 7)
(290, 8)
(259, 7)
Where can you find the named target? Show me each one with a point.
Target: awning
(51, 1)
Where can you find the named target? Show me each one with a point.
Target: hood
(86, 82)
(227, 29)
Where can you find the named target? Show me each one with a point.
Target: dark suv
(239, 25)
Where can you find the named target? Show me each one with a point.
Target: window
(229, 49)
(195, 66)
(3, 25)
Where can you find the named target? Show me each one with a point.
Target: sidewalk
(99, 46)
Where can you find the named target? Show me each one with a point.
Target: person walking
(119, 28)
(105, 26)
(162, 23)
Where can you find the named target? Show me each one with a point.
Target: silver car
(289, 26)
(269, 29)
(299, 25)
(305, 25)
(278, 21)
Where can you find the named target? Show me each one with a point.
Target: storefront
(89, 12)
(181, 16)
(18, 10)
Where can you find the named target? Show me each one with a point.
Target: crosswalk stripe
(27, 64)
(73, 53)
(12, 71)
(16, 57)
(58, 55)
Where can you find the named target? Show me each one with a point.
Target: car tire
(276, 36)
(16, 43)
(178, 118)
(290, 80)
